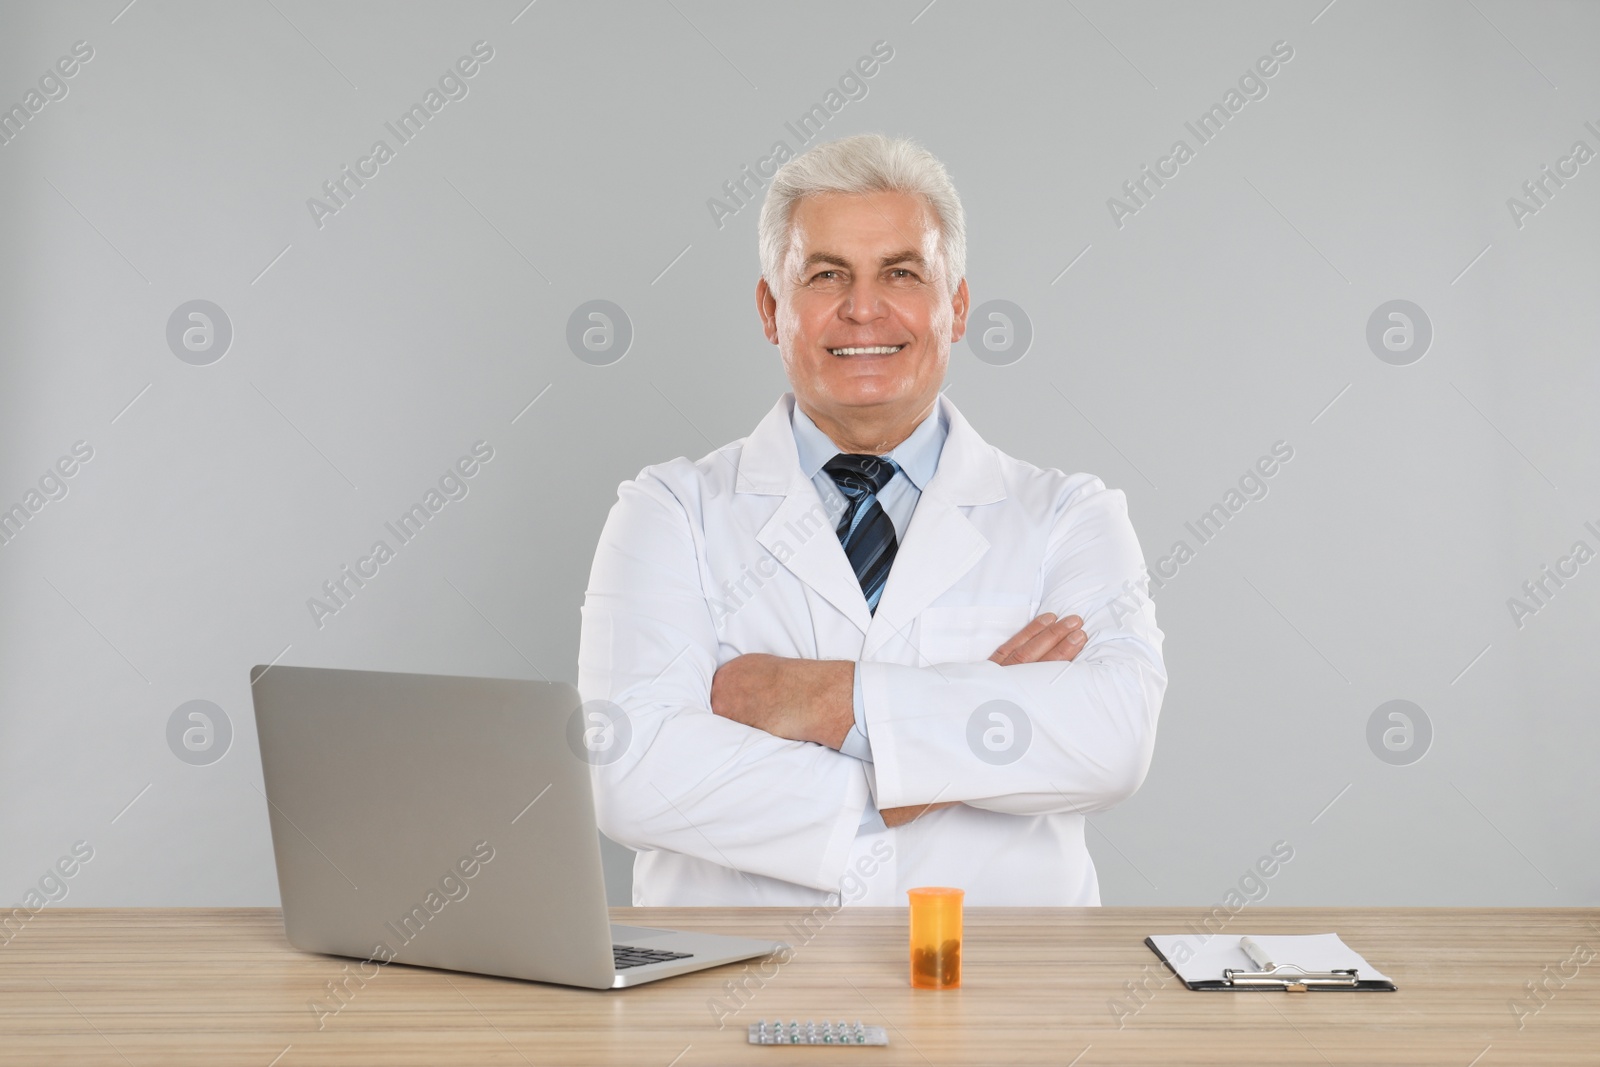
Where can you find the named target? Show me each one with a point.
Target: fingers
(1045, 638)
(1065, 649)
(1067, 639)
(1023, 636)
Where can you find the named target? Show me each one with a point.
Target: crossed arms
(813, 700)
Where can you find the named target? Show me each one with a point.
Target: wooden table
(1058, 986)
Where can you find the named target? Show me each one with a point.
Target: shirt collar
(917, 456)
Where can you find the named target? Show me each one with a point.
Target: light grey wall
(1171, 348)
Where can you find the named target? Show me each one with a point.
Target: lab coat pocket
(968, 633)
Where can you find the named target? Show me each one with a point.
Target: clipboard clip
(1286, 976)
(1290, 978)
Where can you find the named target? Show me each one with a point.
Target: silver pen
(1257, 955)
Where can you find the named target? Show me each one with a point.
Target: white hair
(865, 163)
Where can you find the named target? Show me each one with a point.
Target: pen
(1256, 954)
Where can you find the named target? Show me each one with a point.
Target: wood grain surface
(1040, 985)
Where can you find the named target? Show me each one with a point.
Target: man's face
(864, 271)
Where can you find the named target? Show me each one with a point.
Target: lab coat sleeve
(687, 780)
(1071, 736)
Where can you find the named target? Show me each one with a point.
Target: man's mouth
(867, 350)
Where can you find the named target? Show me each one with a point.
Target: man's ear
(960, 306)
(767, 308)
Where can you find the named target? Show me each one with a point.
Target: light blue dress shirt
(916, 458)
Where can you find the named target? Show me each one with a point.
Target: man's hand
(1045, 638)
(800, 699)
(893, 817)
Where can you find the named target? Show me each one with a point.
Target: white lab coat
(703, 561)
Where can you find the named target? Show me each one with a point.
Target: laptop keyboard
(630, 956)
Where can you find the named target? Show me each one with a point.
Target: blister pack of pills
(812, 1033)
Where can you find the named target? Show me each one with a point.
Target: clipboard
(1336, 966)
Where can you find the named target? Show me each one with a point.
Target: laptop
(447, 822)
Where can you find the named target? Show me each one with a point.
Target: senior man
(861, 649)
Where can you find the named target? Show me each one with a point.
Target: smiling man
(861, 649)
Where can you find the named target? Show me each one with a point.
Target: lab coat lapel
(941, 544)
(798, 535)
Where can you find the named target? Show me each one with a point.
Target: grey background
(1230, 313)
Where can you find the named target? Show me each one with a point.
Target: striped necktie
(865, 530)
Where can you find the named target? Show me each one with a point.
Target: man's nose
(864, 302)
